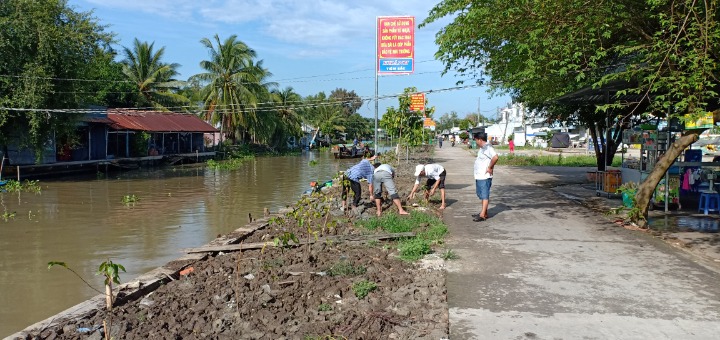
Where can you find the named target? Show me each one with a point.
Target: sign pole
(377, 65)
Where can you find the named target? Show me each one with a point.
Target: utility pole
(479, 112)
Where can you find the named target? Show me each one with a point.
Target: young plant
(363, 288)
(111, 272)
(344, 268)
(284, 239)
(324, 307)
(450, 255)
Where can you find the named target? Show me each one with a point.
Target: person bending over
(435, 174)
(351, 181)
(383, 176)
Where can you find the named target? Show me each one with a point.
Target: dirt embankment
(327, 290)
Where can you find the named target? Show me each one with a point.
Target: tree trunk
(645, 192)
(108, 296)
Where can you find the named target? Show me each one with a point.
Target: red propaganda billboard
(395, 45)
(417, 102)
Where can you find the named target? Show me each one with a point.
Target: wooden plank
(260, 245)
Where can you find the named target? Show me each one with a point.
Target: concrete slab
(546, 267)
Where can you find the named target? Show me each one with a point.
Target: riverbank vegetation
(51, 50)
(22, 186)
(308, 271)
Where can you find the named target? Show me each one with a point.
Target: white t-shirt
(431, 171)
(384, 167)
(482, 162)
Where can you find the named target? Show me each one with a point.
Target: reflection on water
(704, 224)
(84, 222)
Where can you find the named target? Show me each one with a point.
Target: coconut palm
(153, 78)
(289, 123)
(235, 85)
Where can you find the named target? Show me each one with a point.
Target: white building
(528, 127)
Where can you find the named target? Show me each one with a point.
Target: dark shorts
(431, 181)
(482, 188)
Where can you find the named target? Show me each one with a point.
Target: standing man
(435, 174)
(384, 175)
(351, 180)
(483, 172)
(440, 140)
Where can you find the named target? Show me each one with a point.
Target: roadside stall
(653, 140)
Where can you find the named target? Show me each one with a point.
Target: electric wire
(261, 107)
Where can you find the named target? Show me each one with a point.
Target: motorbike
(452, 143)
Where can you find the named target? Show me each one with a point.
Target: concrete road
(545, 267)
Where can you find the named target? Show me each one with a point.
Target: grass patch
(429, 230)
(344, 268)
(551, 160)
(450, 255)
(324, 307)
(363, 288)
(230, 164)
(414, 248)
(25, 186)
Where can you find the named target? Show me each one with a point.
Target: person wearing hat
(383, 176)
(435, 174)
(351, 181)
(483, 173)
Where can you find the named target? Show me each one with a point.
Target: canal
(84, 222)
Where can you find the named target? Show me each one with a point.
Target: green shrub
(363, 288)
(413, 249)
(344, 268)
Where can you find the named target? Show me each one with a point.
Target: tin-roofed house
(107, 137)
(135, 133)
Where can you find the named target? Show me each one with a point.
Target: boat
(342, 152)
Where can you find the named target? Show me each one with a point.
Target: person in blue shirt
(351, 181)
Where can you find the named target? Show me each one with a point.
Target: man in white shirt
(383, 176)
(483, 173)
(435, 174)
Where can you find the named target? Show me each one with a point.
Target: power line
(261, 107)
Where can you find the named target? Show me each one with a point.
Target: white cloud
(318, 24)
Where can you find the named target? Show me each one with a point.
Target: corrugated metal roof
(157, 121)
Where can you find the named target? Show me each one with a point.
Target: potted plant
(628, 191)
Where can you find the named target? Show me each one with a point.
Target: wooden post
(18, 173)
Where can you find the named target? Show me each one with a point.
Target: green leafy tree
(289, 122)
(45, 46)
(325, 114)
(234, 85)
(358, 126)
(349, 100)
(406, 124)
(153, 79)
(648, 57)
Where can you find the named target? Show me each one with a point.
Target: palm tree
(289, 123)
(152, 77)
(234, 86)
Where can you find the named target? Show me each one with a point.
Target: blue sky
(312, 46)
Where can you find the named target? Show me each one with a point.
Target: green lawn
(551, 160)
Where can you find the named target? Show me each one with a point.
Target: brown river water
(83, 222)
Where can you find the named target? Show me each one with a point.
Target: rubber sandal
(478, 219)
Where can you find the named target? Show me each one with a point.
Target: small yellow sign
(705, 122)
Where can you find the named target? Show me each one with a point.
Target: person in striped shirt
(351, 181)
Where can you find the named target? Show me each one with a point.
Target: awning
(157, 121)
